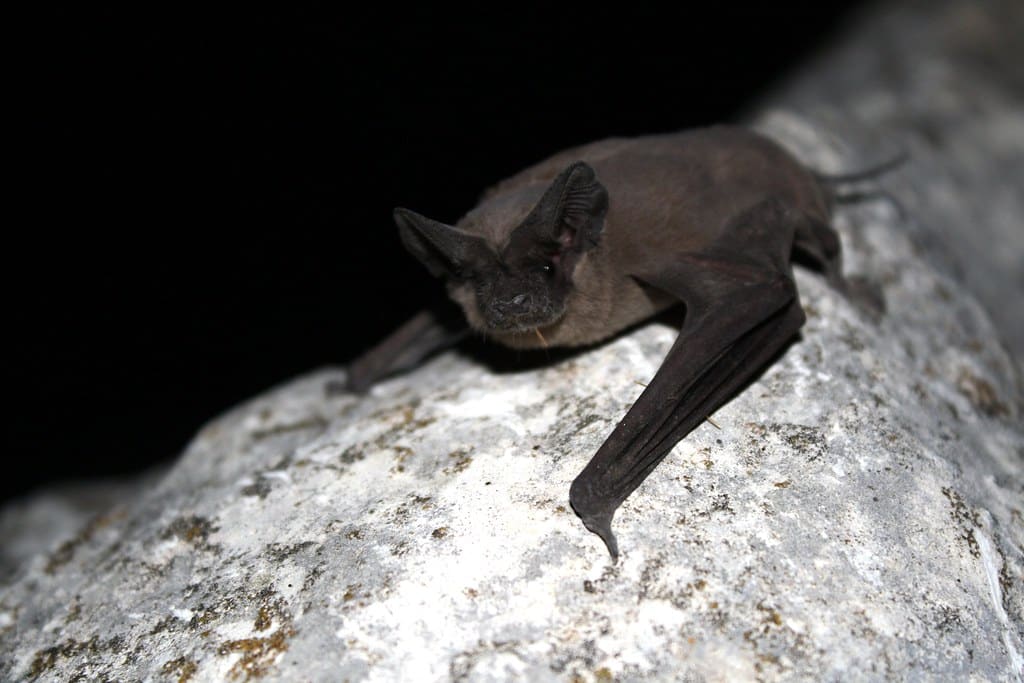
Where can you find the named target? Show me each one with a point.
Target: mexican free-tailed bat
(596, 238)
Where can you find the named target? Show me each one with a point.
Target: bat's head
(514, 274)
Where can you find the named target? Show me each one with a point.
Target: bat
(597, 238)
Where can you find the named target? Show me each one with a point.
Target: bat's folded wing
(741, 311)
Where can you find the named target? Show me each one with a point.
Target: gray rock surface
(859, 514)
(945, 82)
(36, 523)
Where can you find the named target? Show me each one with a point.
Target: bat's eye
(547, 269)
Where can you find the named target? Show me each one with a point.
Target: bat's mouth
(526, 336)
(525, 326)
(521, 321)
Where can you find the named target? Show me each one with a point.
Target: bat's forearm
(425, 333)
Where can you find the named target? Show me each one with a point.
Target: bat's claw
(602, 526)
(596, 517)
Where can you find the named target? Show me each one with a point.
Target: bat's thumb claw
(602, 526)
(609, 540)
(595, 513)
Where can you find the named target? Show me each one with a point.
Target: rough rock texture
(858, 515)
(945, 82)
(34, 524)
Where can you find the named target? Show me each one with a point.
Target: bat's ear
(571, 212)
(445, 251)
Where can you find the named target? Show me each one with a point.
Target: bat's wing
(426, 333)
(741, 309)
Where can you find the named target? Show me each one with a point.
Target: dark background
(206, 196)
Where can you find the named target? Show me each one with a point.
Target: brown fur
(594, 239)
(669, 195)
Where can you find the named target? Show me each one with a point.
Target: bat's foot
(867, 296)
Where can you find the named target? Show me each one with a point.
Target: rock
(943, 81)
(858, 514)
(36, 523)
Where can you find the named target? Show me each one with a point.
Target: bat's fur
(712, 175)
(599, 237)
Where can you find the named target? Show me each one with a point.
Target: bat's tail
(864, 174)
(830, 181)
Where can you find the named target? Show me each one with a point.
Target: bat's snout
(514, 313)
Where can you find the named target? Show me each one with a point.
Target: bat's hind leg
(817, 244)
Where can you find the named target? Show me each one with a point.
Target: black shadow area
(202, 201)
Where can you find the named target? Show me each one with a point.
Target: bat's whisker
(543, 341)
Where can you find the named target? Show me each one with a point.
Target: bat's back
(674, 193)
